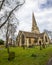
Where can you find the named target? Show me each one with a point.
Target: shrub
(34, 55)
(1, 42)
(31, 46)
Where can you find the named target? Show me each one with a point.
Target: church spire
(34, 25)
(33, 20)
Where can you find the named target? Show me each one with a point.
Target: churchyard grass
(25, 56)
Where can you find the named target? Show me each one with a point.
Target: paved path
(49, 62)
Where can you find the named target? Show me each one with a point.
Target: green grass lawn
(24, 56)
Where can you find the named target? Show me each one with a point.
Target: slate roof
(31, 34)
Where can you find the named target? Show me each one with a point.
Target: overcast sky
(42, 11)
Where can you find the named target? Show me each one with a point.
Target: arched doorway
(40, 44)
(22, 39)
(46, 39)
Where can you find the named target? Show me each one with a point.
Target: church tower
(35, 28)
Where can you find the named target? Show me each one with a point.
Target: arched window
(23, 39)
(29, 40)
(46, 39)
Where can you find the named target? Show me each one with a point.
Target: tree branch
(2, 4)
(10, 14)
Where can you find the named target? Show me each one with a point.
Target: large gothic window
(29, 41)
(23, 39)
(46, 39)
(35, 40)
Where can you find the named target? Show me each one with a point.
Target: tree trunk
(7, 37)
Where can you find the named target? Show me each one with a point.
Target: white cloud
(42, 1)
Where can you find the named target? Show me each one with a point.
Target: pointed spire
(35, 29)
(33, 19)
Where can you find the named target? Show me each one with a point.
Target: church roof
(31, 34)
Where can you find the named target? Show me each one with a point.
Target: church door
(23, 40)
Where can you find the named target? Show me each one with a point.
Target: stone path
(49, 62)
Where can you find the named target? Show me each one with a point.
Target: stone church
(32, 38)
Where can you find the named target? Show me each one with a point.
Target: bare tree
(18, 4)
(7, 14)
(12, 30)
